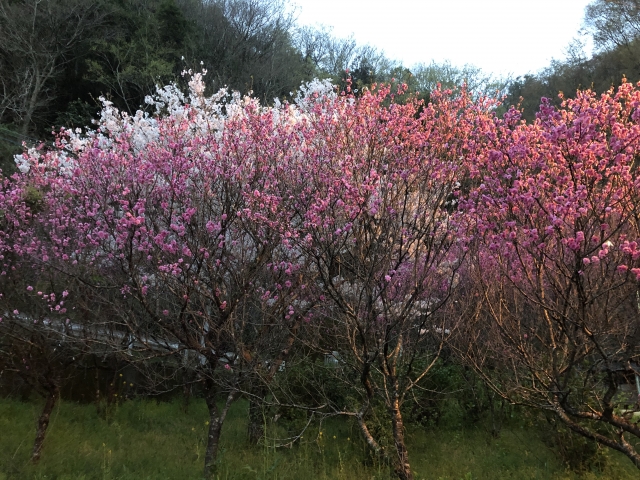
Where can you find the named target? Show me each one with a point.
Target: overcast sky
(500, 36)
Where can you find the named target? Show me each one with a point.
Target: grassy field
(143, 439)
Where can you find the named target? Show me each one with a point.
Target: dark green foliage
(10, 145)
(122, 49)
(143, 48)
(311, 382)
(78, 114)
(452, 396)
(175, 30)
(601, 72)
(580, 454)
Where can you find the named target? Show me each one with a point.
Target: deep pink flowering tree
(36, 348)
(373, 202)
(555, 209)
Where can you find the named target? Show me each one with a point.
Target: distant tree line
(613, 26)
(58, 56)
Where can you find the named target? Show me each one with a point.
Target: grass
(144, 439)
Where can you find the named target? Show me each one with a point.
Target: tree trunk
(402, 468)
(186, 397)
(30, 108)
(213, 442)
(98, 397)
(43, 421)
(216, 420)
(213, 435)
(366, 433)
(187, 389)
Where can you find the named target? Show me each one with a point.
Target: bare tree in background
(38, 38)
(327, 54)
(613, 23)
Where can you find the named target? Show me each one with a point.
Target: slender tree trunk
(216, 420)
(213, 442)
(43, 421)
(496, 416)
(31, 105)
(403, 469)
(366, 433)
(187, 390)
(213, 435)
(186, 396)
(98, 397)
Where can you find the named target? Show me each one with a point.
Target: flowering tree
(36, 342)
(372, 201)
(220, 224)
(173, 215)
(555, 209)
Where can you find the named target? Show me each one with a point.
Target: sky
(502, 37)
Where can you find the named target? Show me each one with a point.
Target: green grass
(143, 439)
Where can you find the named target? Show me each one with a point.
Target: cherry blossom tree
(37, 341)
(373, 210)
(224, 226)
(555, 210)
(173, 215)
